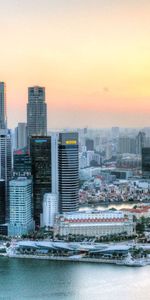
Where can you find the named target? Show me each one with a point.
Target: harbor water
(29, 279)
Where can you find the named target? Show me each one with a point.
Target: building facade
(22, 162)
(94, 224)
(68, 172)
(140, 142)
(50, 208)
(126, 144)
(36, 112)
(40, 151)
(54, 159)
(146, 162)
(21, 136)
(20, 199)
(6, 163)
(2, 201)
(3, 118)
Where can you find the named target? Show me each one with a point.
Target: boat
(129, 261)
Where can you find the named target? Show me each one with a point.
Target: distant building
(36, 112)
(108, 151)
(126, 145)
(20, 199)
(140, 142)
(68, 172)
(5, 155)
(3, 117)
(94, 224)
(122, 173)
(40, 151)
(21, 136)
(115, 132)
(89, 143)
(54, 160)
(143, 211)
(6, 162)
(129, 161)
(2, 201)
(146, 162)
(50, 209)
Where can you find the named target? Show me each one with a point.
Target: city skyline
(93, 59)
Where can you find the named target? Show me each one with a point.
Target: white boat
(131, 262)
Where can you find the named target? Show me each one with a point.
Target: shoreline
(115, 203)
(116, 262)
(63, 258)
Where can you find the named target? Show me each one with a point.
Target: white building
(20, 200)
(50, 208)
(94, 223)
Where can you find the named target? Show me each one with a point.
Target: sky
(93, 57)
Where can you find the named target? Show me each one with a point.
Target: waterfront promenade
(63, 258)
(111, 253)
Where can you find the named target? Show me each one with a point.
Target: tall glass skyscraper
(2, 201)
(36, 112)
(146, 162)
(68, 172)
(3, 118)
(5, 145)
(40, 151)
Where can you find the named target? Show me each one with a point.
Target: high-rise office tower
(21, 136)
(40, 151)
(126, 144)
(68, 172)
(22, 162)
(3, 118)
(5, 145)
(36, 112)
(20, 199)
(5, 162)
(89, 143)
(140, 142)
(146, 162)
(2, 201)
(54, 159)
(5, 155)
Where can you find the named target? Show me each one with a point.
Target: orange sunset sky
(93, 57)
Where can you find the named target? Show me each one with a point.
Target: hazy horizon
(92, 57)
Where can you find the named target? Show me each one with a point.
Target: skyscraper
(140, 142)
(5, 162)
(21, 136)
(89, 143)
(146, 162)
(22, 162)
(68, 172)
(40, 151)
(5, 145)
(126, 144)
(3, 118)
(20, 196)
(2, 201)
(36, 112)
(5, 155)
